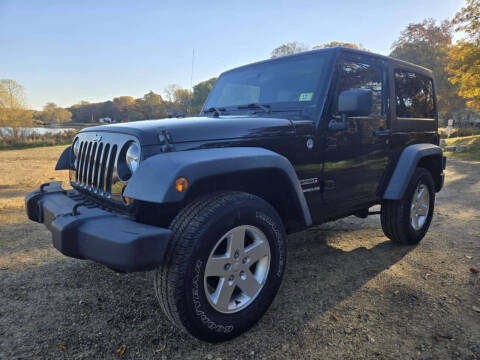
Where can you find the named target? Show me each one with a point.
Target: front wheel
(406, 221)
(223, 266)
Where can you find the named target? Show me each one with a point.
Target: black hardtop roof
(337, 49)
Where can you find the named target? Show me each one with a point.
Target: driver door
(354, 159)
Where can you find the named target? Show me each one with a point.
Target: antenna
(193, 60)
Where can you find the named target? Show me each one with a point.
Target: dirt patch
(348, 293)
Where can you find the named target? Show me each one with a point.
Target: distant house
(106, 120)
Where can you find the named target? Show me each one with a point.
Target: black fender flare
(406, 164)
(65, 159)
(154, 179)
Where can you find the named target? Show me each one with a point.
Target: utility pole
(193, 60)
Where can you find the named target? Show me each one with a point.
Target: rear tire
(406, 221)
(187, 291)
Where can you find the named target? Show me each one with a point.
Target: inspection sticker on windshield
(305, 97)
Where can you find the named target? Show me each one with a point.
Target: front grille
(96, 164)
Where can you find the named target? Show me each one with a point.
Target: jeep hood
(201, 128)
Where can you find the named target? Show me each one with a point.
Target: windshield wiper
(265, 108)
(217, 111)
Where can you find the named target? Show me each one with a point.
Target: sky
(69, 51)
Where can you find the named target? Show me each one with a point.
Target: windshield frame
(315, 107)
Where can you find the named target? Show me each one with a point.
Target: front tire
(406, 221)
(223, 266)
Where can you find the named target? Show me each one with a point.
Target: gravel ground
(348, 293)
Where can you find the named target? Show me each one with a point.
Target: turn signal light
(181, 184)
(127, 200)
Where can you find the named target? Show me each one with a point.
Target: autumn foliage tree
(464, 58)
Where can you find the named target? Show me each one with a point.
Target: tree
(200, 94)
(183, 99)
(464, 57)
(135, 115)
(468, 21)
(16, 117)
(3, 97)
(53, 114)
(12, 94)
(339, 43)
(151, 105)
(121, 107)
(13, 110)
(152, 99)
(289, 48)
(105, 109)
(426, 31)
(427, 44)
(464, 66)
(170, 92)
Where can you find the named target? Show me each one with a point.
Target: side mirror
(356, 102)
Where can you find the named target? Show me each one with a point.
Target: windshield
(291, 83)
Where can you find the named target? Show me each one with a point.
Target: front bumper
(82, 230)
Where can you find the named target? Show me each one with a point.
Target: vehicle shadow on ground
(82, 309)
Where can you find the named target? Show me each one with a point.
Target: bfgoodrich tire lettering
(179, 282)
(396, 214)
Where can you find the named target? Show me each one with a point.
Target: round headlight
(76, 147)
(133, 157)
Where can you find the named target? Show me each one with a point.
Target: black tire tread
(393, 214)
(173, 269)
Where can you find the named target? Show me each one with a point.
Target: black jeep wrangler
(280, 145)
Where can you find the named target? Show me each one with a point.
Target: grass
(473, 142)
(22, 171)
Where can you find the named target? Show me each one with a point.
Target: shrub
(19, 138)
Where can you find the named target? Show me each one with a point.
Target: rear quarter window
(414, 95)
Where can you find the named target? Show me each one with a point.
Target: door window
(359, 75)
(414, 95)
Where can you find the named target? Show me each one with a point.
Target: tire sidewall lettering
(197, 304)
(281, 258)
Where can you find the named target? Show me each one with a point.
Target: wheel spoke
(257, 251)
(424, 197)
(420, 192)
(237, 240)
(416, 221)
(223, 294)
(216, 266)
(249, 284)
(422, 210)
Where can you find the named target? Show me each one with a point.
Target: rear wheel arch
(433, 164)
(427, 156)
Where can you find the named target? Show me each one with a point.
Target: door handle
(382, 132)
